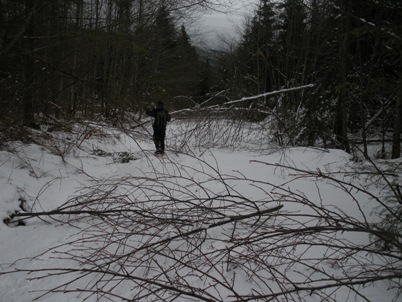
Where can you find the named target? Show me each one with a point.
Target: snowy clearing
(199, 224)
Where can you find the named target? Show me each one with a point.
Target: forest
(64, 60)
(281, 179)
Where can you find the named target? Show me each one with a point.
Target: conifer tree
(257, 52)
(292, 41)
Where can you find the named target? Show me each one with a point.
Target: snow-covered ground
(139, 230)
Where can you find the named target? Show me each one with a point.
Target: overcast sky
(215, 27)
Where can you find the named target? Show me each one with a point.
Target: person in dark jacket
(161, 118)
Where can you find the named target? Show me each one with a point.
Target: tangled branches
(196, 234)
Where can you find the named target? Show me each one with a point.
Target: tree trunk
(3, 21)
(396, 142)
(29, 62)
(342, 133)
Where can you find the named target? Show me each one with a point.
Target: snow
(65, 173)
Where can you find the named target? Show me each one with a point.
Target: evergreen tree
(174, 59)
(250, 69)
(349, 49)
(293, 40)
(189, 71)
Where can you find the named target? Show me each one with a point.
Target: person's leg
(163, 135)
(163, 145)
(159, 137)
(157, 143)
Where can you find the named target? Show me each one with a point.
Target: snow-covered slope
(154, 227)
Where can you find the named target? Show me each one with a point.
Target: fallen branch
(98, 213)
(267, 94)
(250, 98)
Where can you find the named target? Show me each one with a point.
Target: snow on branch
(368, 23)
(244, 99)
(266, 94)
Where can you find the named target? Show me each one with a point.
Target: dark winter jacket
(161, 117)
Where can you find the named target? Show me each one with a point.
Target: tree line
(350, 50)
(88, 58)
(70, 58)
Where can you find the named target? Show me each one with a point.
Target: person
(161, 118)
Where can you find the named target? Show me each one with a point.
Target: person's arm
(167, 116)
(150, 111)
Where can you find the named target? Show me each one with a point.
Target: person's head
(160, 104)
